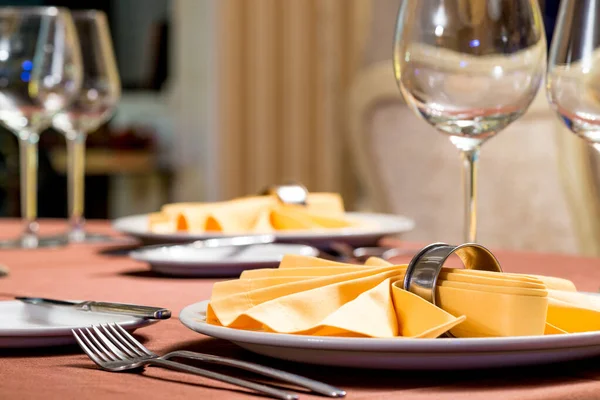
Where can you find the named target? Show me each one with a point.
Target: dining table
(103, 271)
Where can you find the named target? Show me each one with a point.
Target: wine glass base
(90, 237)
(29, 242)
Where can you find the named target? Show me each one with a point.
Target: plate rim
(60, 331)
(403, 224)
(188, 317)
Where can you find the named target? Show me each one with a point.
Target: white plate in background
(376, 227)
(185, 260)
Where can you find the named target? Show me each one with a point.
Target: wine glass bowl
(453, 91)
(573, 79)
(469, 68)
(100, 90)
(36, 80)
(40, 72)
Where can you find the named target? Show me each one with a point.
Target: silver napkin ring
(290, 193)
(423, 270)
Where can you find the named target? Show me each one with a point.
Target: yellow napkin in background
(312, 296)
(570, 312)
(252, 214)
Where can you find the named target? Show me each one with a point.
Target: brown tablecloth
(100, 272)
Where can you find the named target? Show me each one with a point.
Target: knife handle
(127, 309)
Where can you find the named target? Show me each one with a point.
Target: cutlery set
(112, 348)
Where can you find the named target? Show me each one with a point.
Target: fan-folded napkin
(252, 214)
(312, 296)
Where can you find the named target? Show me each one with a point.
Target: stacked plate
(204, 261)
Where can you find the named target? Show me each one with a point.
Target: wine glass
(40, 71)
(94, 104)
(469, 68)
(573, 84)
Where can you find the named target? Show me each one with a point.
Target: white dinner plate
(402, 353)
(375, 227)
(184, 260)
(28, 325)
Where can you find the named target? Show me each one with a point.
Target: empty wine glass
(573, 81)
(40, 71)
(94, 104)
(469, 68)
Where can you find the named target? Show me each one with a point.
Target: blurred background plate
(217, 261)
(376, 227)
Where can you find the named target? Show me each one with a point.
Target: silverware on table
(112, 348)
(235, 242)
(133, 310)
(362, 254)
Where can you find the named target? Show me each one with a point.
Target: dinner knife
(104, 307)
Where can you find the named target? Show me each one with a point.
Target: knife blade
(133, 310)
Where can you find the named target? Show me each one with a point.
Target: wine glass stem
(470, 158)
(76, 181)
(28, 155)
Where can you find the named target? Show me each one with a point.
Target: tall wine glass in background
(469, 68)
(573, 82)
(95, 103)
(40, 71)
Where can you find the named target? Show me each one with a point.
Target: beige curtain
(284, 66)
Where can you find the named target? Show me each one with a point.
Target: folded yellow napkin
(312, 296)
(251, 215)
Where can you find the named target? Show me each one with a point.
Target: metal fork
(311, 384)
(112, 348)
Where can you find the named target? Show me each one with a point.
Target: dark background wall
(143, 66)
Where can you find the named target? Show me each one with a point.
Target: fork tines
(100, 343)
